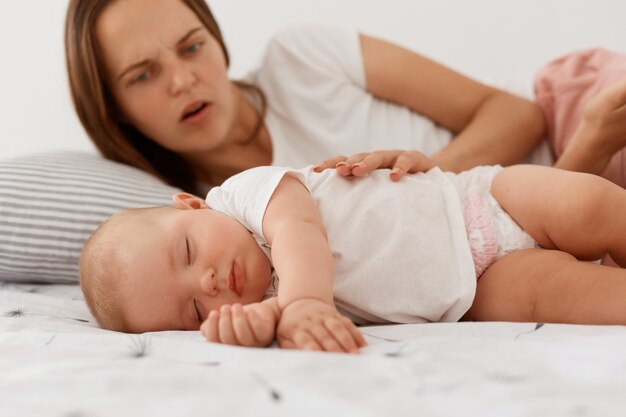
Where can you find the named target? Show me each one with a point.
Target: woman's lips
(235, 280)
(195, 112)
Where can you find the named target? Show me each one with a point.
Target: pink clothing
(491, 232)
(480, 232)
(564, 86)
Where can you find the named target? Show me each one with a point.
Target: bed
(55, 361)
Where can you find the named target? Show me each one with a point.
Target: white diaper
(491, 232)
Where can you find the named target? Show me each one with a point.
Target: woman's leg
(549, 286)
(577, 213)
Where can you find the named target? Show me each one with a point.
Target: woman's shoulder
(310, 35)
(313, 49)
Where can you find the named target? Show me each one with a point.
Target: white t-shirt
(318, 107)
(400, 249)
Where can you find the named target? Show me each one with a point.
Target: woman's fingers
(329, 163)
(410, 162)
(361, 164)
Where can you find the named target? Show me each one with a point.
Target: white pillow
(50, 203)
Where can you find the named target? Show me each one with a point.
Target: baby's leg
(549, 286)
(577, 213)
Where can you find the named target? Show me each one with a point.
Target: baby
(301, 256)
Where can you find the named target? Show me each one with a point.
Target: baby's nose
(208, 282)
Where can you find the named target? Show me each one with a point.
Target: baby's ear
(187, 201)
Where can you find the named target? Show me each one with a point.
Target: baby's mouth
(235, 280)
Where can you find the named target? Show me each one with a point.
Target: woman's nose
(208, 283)
(182, 79)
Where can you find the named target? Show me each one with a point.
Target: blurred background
(486, 39)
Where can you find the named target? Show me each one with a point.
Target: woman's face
(167, 74)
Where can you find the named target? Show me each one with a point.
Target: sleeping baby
(302, 257)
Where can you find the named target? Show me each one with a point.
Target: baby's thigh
(509, 289)
(549, 204)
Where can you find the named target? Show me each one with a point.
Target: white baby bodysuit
(400, 249)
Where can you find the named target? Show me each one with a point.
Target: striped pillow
(51, 202)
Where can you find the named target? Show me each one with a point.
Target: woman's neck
(247, 147)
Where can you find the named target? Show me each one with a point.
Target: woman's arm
(491, 126)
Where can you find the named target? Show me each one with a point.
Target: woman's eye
(193, 48)
(144, 76)
(188, 251)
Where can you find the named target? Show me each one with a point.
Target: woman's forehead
(133, 30)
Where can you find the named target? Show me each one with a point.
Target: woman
(149, 82)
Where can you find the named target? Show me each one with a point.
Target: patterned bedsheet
(55, 362)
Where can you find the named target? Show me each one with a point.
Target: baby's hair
(101, 267)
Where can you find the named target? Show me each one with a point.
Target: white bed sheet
(55, 362)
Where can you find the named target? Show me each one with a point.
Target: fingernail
(357, 165)
(340, 164)
(395, 170)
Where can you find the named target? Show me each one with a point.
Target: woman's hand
(600, 134)
(252, 325)
(361, 164)
(315, 325)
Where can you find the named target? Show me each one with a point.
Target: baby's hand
(252, 325)
(361, 164)
(314, 325)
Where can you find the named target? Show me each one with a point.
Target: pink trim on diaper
(481, 233)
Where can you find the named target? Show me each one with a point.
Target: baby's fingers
(226, 331)
(300, 340)
(326, 339)
(263, 328)
(346, 334)
(241, 327)
(210, 327)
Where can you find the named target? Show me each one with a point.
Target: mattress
(54, 361)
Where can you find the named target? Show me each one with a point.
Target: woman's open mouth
(195, 112)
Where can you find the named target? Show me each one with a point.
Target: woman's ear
(186, 201)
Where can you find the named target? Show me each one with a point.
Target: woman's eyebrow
(147, 61)
(189, 34)
(133, 66)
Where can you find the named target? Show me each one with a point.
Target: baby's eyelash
(188, 252)
(197, 311)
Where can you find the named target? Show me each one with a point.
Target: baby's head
(166, 268)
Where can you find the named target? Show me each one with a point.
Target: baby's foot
(600, 134)
(605, 117)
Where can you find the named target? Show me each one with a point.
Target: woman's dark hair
(97, 110)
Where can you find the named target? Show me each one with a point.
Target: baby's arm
(252, 325)
(300, 253)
